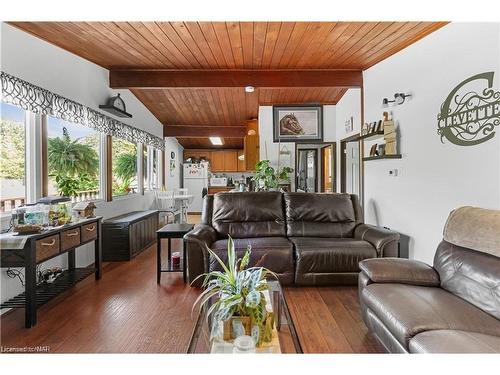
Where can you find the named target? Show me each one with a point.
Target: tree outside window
(73, 160)
(124, 163)
(12, 156)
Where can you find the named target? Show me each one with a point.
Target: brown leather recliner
(453, 307)
(307, 239)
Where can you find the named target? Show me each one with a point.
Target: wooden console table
(30, 250)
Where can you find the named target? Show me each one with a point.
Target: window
(124, 164)
(154, 170)
(73, 160)
(12, 157)
(150, 168)
(145, 167)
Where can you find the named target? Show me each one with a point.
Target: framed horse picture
(298, 123)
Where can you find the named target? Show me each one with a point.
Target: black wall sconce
(399, 98)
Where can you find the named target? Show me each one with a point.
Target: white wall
(434, 177)
(173, 182)
(266, 137)
(59, 71)
(348, 106)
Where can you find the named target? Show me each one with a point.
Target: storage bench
(127, 235)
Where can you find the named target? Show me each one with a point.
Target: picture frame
(298, 123)
(373, 125)
(379, 126)
(349, 125)
(373, 150)
(364, 129)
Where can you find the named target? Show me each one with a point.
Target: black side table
(170, 231)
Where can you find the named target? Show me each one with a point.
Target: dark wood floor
(127, 312)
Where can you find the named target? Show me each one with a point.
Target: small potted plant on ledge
(240, 303)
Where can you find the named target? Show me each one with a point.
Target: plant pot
(233, 327)
(230, 327)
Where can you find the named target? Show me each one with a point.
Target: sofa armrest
(384, 240)
(401, 271)
(196, 242)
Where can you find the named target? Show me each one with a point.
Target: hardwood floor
(127, 312)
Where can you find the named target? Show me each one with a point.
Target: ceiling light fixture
(249, 89)
(216, 141)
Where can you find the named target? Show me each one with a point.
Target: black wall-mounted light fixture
(399, 98)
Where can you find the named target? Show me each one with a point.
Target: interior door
(327, 169)
(307, 165)
(352, 168)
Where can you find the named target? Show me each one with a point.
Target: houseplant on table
(240, 304)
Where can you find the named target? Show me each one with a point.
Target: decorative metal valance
(38, 100)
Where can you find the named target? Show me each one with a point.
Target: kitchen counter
(219, 189)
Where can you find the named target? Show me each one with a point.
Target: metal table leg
(184, 262)
(30, 286)
(169, 253)
(158, 258)
(98, 252)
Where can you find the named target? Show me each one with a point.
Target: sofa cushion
(471, 275)
(454, 341)
(274, 253)
(328, 255)
(474, 228)
(407, 310)
(320, 215)
(244, 215)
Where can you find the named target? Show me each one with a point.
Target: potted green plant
(267, 178)
(240, 304)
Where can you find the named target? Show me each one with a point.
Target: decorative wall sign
(349, 125)
(298, 123)
(471, 112)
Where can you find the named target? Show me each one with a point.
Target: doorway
(307, 170)
(350, 181)
(315, 166)
(328, 168)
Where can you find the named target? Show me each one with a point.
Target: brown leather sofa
(452, 307)
(307, 239)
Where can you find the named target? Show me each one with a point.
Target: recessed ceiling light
(216, 141)
(249, 89)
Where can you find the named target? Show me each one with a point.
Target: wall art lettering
(471, 112)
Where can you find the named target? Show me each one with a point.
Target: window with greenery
(124, 163)
(154, 170)
(146, 168)
(12, 156)
(73, 160)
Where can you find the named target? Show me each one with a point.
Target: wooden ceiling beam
(204, 131)
(160, 78)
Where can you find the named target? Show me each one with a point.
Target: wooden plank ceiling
(230, 45)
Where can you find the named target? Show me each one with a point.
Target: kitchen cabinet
(251, 151)
(217, 161)
(231, 161)
(242, 167)
(220, 160)
(207, 154)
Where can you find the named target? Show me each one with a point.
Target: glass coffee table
(285, 339)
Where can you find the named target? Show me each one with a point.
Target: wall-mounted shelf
(370, 136)
(396, 156)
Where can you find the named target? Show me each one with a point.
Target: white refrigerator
(195, 180)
